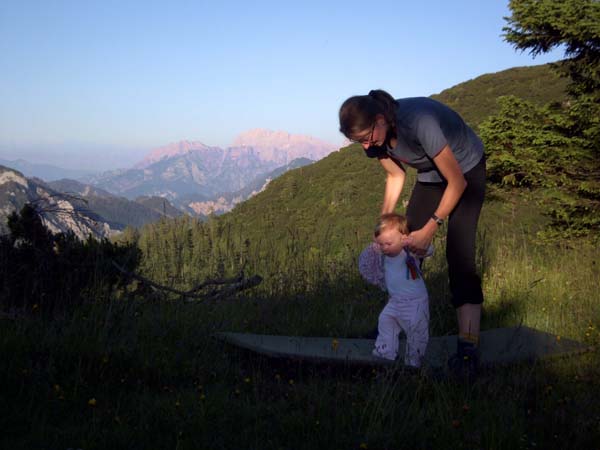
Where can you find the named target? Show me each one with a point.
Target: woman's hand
(446, 163)
(419, 240)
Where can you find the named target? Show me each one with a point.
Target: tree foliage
(52, 273)
(554, 148)
(532, 147)
(542, 25)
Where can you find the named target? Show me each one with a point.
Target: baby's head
(390, 233)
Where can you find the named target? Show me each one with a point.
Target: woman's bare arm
(394, 183)
(448, 166)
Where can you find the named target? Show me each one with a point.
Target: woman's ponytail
(388, 105)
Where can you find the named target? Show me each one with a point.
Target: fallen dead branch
(229, 285)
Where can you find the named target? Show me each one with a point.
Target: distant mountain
(59, 212)
(282, 147)
(44, 171)
(206, 172)
(68, 205)
(159, 205)
(195, 170)
(174, 150)
(260, 183)
(203, 207)
(118, 212)
(74, 187)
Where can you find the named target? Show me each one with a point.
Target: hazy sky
(97, 83)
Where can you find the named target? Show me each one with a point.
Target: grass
(148, 374)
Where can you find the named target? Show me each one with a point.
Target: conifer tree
(574, 25)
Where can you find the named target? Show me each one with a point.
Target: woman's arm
(394, 183)
(448, 166)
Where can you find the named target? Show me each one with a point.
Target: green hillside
(325, 204)
(341, 195)
(326, 211)
(336, 200)
(475, 99)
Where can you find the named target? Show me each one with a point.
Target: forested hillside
(315, 212)
(476, 99)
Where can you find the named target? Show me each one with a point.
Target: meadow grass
(123, 373)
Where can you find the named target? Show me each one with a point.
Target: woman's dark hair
(358, 113)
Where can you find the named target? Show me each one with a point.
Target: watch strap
(437, 219)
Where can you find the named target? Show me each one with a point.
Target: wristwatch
(437, 220)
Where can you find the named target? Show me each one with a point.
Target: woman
(449, 158)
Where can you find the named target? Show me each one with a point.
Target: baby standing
(389, 264)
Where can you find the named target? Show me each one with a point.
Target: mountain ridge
(192, 168)
(46, 172)
(70, 206)
(57, 210)
(260, 141)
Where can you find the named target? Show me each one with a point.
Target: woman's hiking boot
(464, 365)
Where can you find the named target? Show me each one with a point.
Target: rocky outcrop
(59, 212)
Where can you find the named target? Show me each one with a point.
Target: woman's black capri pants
(465, 284)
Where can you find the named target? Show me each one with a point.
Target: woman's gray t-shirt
(425, 126)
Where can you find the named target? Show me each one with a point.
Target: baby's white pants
(410, 315)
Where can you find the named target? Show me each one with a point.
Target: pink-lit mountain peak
(171, 150)
(283, 147)
(278, 147)
(261, 138)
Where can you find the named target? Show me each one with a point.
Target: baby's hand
(407, 241)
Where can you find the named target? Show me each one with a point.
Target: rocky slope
(67, 205)
(58, 211)
(202, 207)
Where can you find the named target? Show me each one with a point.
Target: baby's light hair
(391, 220)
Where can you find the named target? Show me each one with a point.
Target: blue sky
(99, 83)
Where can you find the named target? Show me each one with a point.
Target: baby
(388, 264)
